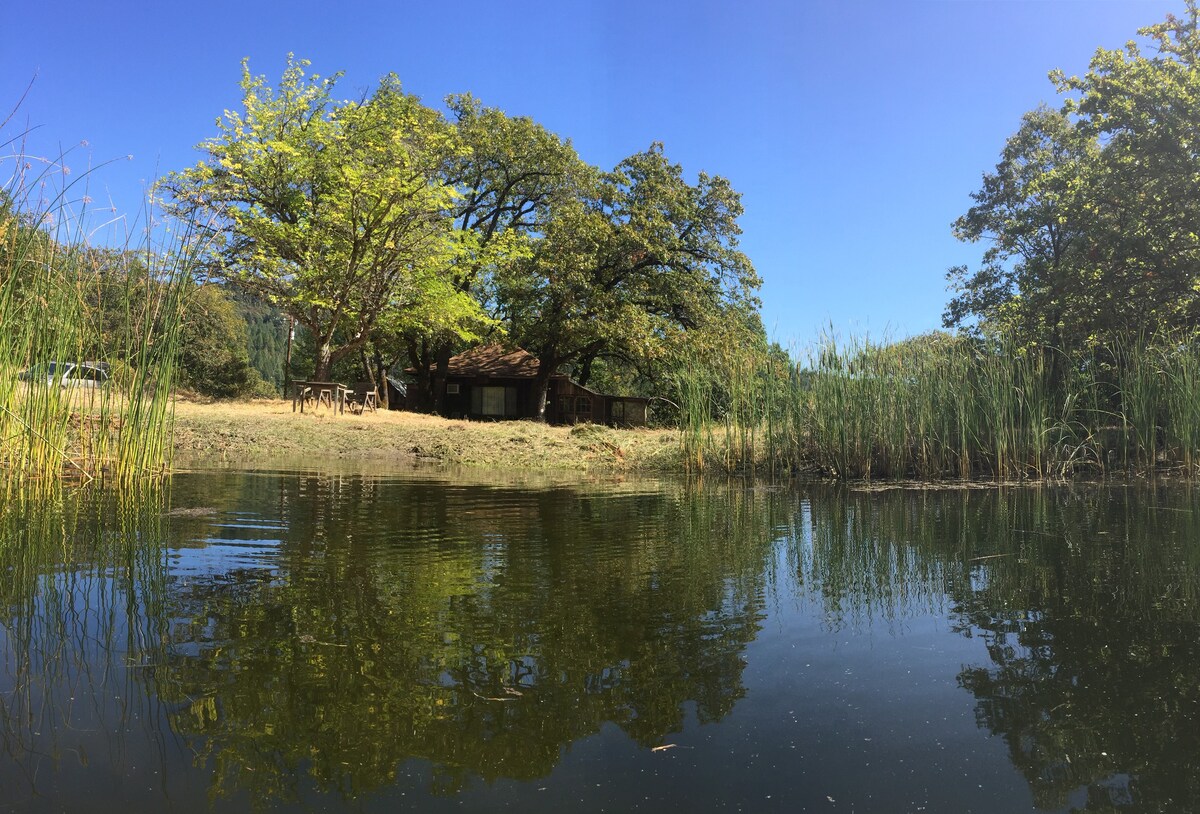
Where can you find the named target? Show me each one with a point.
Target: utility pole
(287, 358)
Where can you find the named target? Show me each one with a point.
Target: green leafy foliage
(638, 256)
(213, 358)
(335, 212)
(1033, 211)
(267, 329)
(1092, 211)
(509, 177)
(387, 232)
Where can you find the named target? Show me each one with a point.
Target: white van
(83, 375)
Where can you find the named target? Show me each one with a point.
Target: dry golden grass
(250, 432)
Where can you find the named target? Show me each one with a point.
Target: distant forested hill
(267, 328)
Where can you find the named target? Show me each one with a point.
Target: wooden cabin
(575, 404)
(492, 382)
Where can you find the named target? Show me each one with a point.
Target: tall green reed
(1181, 369)
(947, 407)
(1140, 398)
(64, 300)
(1158, 400)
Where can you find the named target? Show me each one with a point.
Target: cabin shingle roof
(495, 361)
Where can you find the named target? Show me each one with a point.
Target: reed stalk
(946, 407)
(63, 301)
(1141, 398)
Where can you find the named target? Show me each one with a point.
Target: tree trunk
(585, 370)
(379, 376)
(541, 385)
(365, 364)
(324, 366)
(420, 396)
(439, 378)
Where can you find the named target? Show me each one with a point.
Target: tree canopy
(638, 255)
(1093, 210)
(382, 225)
(335, 212)
(509, 175)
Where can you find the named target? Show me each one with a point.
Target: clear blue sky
(855, 132)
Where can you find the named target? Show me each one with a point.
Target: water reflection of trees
(1087, 602)
(482, 630)
(1094, 637)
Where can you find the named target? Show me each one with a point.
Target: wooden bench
(363, 396)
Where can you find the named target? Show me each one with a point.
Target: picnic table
(331, 394)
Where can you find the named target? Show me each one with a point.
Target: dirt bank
(250, 431)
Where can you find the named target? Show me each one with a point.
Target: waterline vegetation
(65, 301)
(941, 406)
(1076, 335)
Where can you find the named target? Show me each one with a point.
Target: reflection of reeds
(871, 559)
(947, 407)
(872, 556)
(63, 300)
(80, 610)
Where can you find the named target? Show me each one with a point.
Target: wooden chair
(363, 396)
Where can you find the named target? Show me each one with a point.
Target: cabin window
(493, 401)
(583, 404)
(566, 405)
(452, 389)
(618, 411)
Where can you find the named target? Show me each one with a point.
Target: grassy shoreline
(268, 429)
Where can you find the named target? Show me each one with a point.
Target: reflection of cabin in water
(490, 382)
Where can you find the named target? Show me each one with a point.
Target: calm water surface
(299, 642)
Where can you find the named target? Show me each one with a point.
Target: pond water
(285, 641)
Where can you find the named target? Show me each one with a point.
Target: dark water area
(270, 641)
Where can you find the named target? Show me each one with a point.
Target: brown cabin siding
(626, 411)
(576, 404)
(494, 383)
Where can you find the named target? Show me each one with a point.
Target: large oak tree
(335, 212)
(639, 254)
(510, 175)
